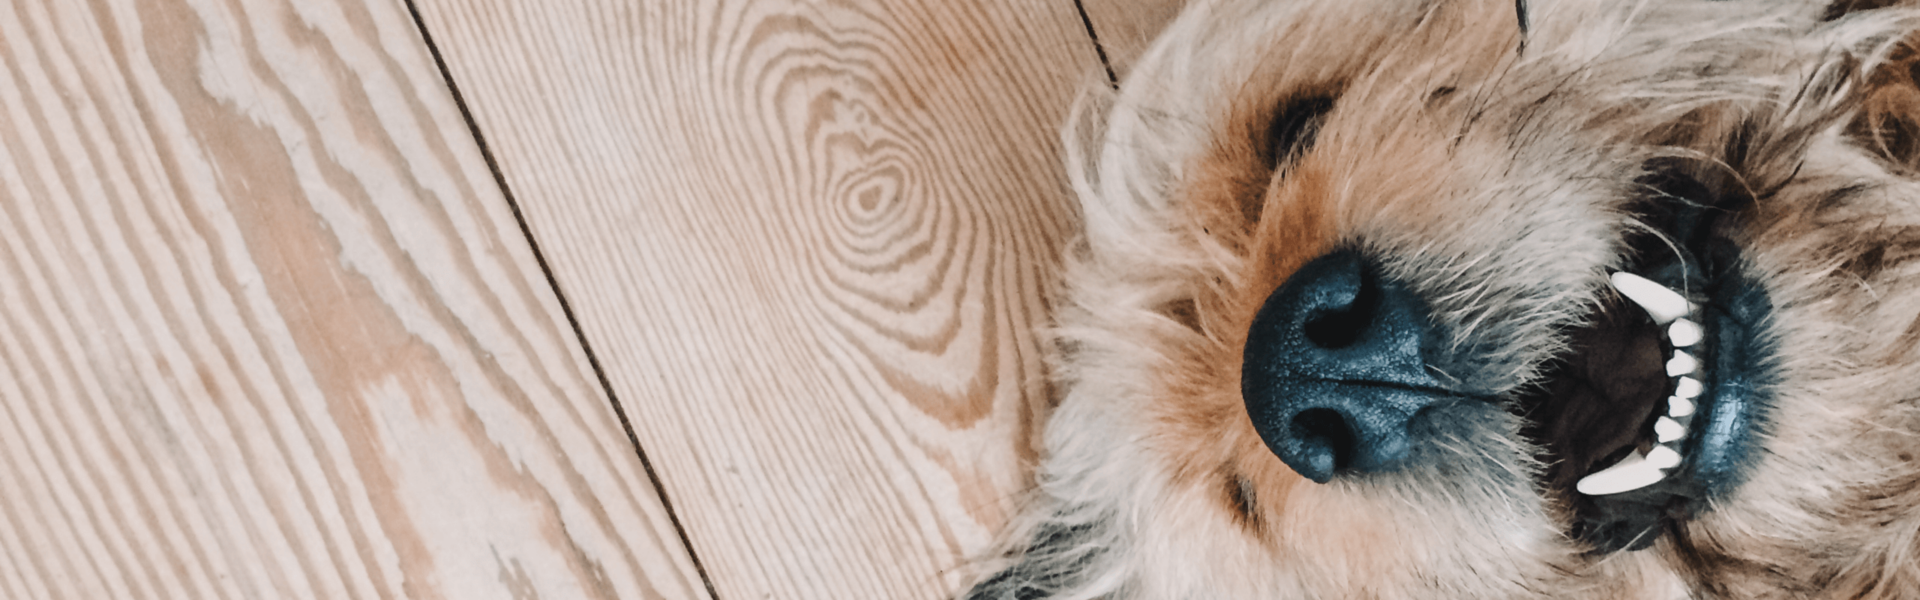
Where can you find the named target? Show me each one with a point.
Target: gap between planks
(566, 308)
(551, 95)
(268, 334)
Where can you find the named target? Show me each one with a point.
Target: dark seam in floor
(1112, 79)
(593, 360)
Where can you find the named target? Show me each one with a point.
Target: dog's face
(1446, 299)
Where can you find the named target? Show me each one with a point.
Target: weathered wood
(1126, 27)
(269, 330)
(810, 242)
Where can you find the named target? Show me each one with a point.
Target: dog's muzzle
(1649, 412)
(1334, 370)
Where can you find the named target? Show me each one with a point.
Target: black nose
(1335, 371)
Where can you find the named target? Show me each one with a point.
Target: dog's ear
(1888, 123)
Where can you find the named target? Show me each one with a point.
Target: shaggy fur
(1497, 172)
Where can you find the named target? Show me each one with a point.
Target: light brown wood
(269, 330)
(810, 242)
(1126, 27)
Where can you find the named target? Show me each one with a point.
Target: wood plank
(1126, 27)
(268, 328)
(810, 242)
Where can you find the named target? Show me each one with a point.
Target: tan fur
(1492, 167)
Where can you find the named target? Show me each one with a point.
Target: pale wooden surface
(268, 330)
(810, 243)
(1126, 27)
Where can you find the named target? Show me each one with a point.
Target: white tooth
(1687, 387)
(1685, 333)
(1682, 364)
(1631, 473)
(1663, 304)
(1662, 457)
(1669, 430)
(1679, 407)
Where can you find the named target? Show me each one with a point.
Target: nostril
(1335, 366)
(1336, 327)
(1329, 441)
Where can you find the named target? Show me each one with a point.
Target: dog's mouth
(1647, 416)
(1653, 410)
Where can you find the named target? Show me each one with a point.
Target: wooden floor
(469, 299)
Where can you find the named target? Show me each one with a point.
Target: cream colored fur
(1493, 169)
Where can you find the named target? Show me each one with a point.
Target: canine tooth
(1687, 388)
(1663, 304)
(1684, 333)
(1679, 407)
(1682, 364)
(1662, 457)
(1631, 473)
(1669, 430)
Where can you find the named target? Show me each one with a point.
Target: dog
(1489, 299)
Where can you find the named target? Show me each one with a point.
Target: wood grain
(269, 330)
(1126, 27)
(810, 242)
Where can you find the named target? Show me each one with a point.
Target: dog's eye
(1294, 127)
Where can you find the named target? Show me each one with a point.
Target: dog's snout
(1335, 368)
